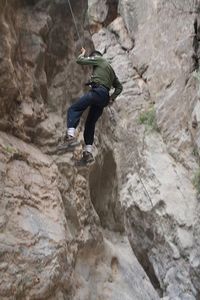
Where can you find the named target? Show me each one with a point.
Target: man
(102, 80)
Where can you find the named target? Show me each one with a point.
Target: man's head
(95, 53)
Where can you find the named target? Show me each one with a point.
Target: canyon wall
(126, 227)
(154, 48)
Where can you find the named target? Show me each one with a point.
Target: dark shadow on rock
(104, 192)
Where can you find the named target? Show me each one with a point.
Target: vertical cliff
(52, 243)
(154, 48)
(126, 227)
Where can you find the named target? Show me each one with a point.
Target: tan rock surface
(51, 234)
(128, 226)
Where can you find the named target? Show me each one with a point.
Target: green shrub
(197, 76)
(148, 118)
(196, 181)
(10, 149)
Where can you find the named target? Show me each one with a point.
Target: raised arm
(82, 60)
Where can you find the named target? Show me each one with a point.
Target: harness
(96, 85)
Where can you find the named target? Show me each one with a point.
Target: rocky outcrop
(39, 44)
(157, 161)
(34, 232)
(53, 245)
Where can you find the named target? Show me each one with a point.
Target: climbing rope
(137, 168)
(75, 24)
(5, 6)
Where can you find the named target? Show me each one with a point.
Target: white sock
(88, 148)
(71, 131)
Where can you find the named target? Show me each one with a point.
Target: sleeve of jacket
(118, 88)
(92, 61)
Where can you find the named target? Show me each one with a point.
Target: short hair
(95, 52)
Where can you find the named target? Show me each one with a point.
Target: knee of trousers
(70, 110)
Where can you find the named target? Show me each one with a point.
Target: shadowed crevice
(104, 192)
(112, 12)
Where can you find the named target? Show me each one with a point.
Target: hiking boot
(86, 159)
(70, 142)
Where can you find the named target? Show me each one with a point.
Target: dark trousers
(97, 98)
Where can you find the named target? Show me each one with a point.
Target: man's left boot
(70, 142)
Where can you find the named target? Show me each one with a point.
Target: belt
(95, 85)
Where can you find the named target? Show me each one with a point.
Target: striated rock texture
(39, 73)
(52, 244)
(156, 146)
(128, 226)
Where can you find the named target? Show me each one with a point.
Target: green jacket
(103, 73)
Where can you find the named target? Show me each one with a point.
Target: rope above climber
(102, 80)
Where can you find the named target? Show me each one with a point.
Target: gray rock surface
(51, 241)
(156, 168)
(128, 226)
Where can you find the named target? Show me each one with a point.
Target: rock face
(128, 226)
(39, 44)
(157, 161)
(52, 243)
(34, 233)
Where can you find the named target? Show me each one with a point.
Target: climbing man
(102, 80)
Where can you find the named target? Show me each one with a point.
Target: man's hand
(83, 51)
(111, 101)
